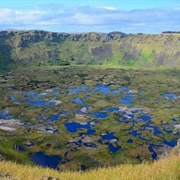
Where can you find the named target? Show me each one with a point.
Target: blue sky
(129, 16)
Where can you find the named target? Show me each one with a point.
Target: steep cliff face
(32, 48)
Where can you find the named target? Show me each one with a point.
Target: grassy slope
(164, 169)
(44, 48)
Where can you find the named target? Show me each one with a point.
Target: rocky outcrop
(102, 52)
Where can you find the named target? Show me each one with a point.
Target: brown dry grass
(164, 169)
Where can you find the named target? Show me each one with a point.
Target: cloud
(78, 19)
(109, 8)
(6, 15)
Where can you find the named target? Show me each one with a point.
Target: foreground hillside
(164, 169)
(39, 48)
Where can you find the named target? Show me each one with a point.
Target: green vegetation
(40, 48)
(57, 62)
(147, 86)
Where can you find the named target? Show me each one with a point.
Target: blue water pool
(37, 104)
(127, 99)
(76, 90)
(41, 159)
(52, 103)
(13, 98)
(156, 130)
(135, 133)
(104, 89)
(124, 89)
(74, 126)
(108, 136)
(130, 141)
(170, 95)
(30, 94)
(145, 118)
(3, 115)
(154, 154)
(19, 147)
(171, 143)
(99, 115)
(90, 131)
(53, 118)
(112, 109)
(114, 148)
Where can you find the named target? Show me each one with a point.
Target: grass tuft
(163, 169)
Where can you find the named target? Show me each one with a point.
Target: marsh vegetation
(77, 118)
